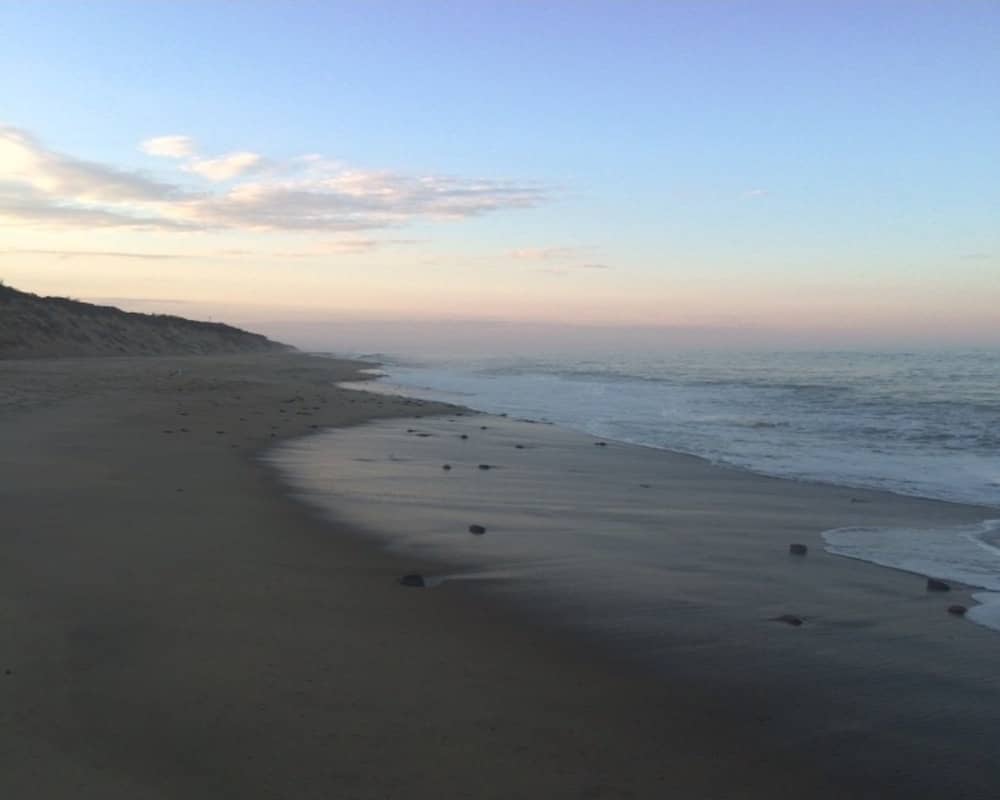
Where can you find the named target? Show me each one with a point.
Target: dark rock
(413, 580)
(518, 446)
(482, 427)
(788, 619)
(645, 485)
(958, 611)
(220, 432)
(798, 549)
(934, 585)
(410, 430)
(485, 466)
(446, 466)
(464, 436)
(600, 444)
(423, 435)
(479, 530)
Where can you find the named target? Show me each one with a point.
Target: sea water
(924, 424)
(915, 423)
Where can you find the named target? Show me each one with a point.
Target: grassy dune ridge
(38, 327)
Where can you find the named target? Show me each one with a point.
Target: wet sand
(681, 569)
(176, 626)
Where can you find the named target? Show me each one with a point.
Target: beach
(179, 624)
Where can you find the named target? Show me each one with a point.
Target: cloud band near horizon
(242, 190)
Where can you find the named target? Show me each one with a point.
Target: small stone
(518, 446)
(479, 530)
(934, 585)
(788, 619)
(413, 580)
(423, 435)
(645, 486)
(464, 436)
(485, 466)
(446, 466)
(220, 432)
(482, 427)
(600, 444)
(958, 611)
(798, 549)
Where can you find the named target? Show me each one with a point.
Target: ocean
(925, 424)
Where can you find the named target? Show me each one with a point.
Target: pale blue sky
(703, 147)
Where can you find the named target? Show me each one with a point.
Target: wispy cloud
(975, 256)
(756, 193)
(567, 269)
(218, 169)
(25, 205)
(25, 163)
(226, 167)
(68, 254)
(355, 201)
(39, 186)
(169, 146)
(547, 253)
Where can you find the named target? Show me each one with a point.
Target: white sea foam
(966, 554)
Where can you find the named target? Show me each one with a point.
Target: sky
(781, 172)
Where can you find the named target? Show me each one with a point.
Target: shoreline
(179, 627)
(358, 385)
(766, 458)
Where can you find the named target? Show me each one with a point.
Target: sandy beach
(177, 625)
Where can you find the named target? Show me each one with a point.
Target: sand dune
(43, 327)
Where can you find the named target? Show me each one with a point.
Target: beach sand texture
(175, 625)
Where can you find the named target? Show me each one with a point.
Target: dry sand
(176, 627)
